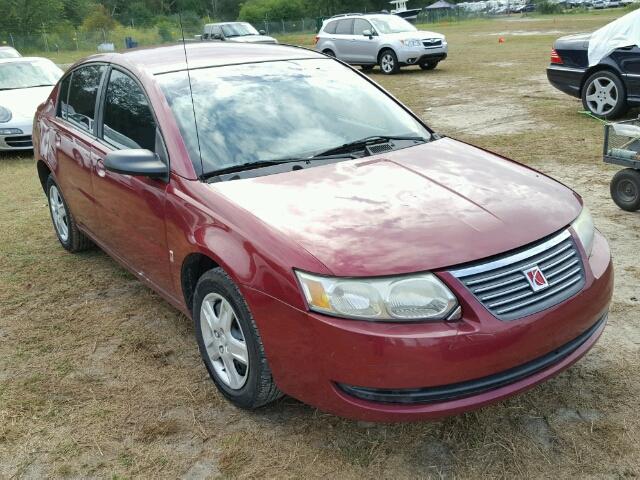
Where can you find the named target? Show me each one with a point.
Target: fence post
(13, 44)
(75, 37)
(283, 30)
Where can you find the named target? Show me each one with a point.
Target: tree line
(36, 16)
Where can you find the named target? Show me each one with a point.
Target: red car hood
(421, 208)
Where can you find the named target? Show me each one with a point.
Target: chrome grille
(20, 141)
(502, 286)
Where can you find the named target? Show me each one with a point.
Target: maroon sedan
(327, 244)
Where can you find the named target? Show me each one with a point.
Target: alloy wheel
(224, 341)
(387, 63)
(602, 96)
(58, 213)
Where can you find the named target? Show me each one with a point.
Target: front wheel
(428, 65)
(389, 62)
(604, 96)
(230, 344)
(625, 189)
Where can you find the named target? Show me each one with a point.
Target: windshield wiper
(364, 142)
(267, 163)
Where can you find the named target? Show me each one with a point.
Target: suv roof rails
(346, 14)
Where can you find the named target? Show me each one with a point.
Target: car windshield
(28, 74)
(238, 30)
(265, 112)
(392, 24)
(8, 53)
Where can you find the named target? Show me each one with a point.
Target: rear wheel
(604, 95)
(70, 237)
(388, 62)
(625, 189)
(331, 53)
(229, 342)
(428, 65)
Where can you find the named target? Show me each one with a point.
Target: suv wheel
(604, 96)
(331, 53)
(428, 65)
(229, 342)
(389, 62)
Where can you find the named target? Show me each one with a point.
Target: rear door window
(83, 91)
(345, 27)
(127, 120)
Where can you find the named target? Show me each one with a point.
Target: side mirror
(367, 33)
(136, 162)
(262, 32)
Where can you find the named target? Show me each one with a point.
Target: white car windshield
(36, 73)
(270, 111)
(392, 24)
(8, 53)
(238, 30)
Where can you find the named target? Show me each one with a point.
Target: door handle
(100, 170)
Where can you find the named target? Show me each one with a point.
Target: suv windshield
(265, 112)
(238, 30)
(392, 24)
(28, 74)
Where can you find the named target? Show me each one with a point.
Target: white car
(25, 82)
(9, 52)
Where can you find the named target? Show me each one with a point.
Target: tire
(366, 68)
(330, 53)
(604, 95)
(625, 189)
(70, 237)
(388, 61)
(222, 344)
(428, 65)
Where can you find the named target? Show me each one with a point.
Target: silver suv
(380, 39)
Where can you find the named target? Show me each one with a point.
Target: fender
(267, 269)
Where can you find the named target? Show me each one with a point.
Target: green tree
(99, 19)
(29, 16)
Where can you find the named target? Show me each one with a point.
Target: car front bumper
(329, 362)
(16, 141)
(566, 79)
(418, 55)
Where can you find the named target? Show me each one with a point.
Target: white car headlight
(412, 43)
(585, 229)
(404, 298)
(5, 115)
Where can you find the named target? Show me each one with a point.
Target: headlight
(584, 228)
(407, 298)
(412, 43)
(5, 115)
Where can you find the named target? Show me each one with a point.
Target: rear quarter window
(331, 27)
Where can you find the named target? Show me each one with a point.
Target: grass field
(99, 377)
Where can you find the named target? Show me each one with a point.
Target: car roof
(171, 58)
(7, 47)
